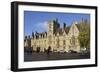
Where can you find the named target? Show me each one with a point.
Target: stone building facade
(57, 38)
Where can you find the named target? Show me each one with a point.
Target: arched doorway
(49, 49)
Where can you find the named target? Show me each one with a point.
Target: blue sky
(37, 21)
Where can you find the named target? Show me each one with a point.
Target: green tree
(84, 35)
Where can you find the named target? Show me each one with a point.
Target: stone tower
(53, 26)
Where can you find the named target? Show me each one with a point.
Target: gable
(74, 30)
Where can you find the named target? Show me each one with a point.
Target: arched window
(57, 43)
(73, 42)
(49, 40)
(64, 43)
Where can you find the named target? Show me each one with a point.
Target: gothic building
(57, 38)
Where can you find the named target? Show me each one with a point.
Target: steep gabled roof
(78, 26)
(67, 29)
(61, 30)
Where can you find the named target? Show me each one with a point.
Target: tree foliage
(84, 35)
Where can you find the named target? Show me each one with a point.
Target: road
(53, 56)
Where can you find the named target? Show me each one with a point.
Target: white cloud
(42, 25)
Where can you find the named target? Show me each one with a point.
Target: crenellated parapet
(37, 35)
(27, 41)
